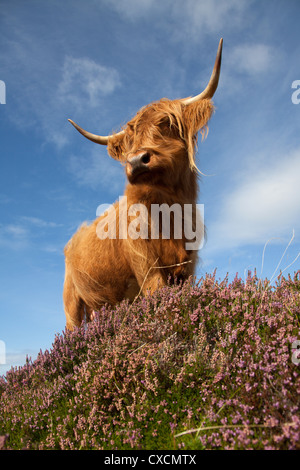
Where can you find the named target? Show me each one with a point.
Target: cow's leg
(149, 276)
(74, 306)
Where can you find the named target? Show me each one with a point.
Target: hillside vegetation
(195, 366)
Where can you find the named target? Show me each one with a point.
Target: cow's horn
(98, 139)
(213, 82)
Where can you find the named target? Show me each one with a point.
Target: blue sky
(97, 62)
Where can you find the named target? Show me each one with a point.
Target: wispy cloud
(134, 9)
(248, 65)
(4, 199)
(43, 91)
(202, 17)
(18, 235)
(251, 59)
(37, 222)
(17, 231)
(84, 81)
(83, 84)
(13, 236)
(265, 203)
(97, 170)
(194, 18)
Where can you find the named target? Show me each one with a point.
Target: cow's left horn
(98, 139)
(213, 82)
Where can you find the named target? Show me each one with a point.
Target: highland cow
(158, 149)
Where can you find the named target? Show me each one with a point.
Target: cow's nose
(138, 164)
(140, 160)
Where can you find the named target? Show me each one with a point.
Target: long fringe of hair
(187, 120)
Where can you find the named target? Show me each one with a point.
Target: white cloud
(83, 85)
(13, 236)
(191, 17)
(14, 230)
(210, 16)
(133, 9)
(85, 81)
(247, 63)
(264, 204)
(17, 236)
(36, 221)
(252, 59)
(44, 90)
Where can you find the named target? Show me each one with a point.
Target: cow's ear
(196, 116)
(116, 147)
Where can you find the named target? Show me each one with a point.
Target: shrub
(201, 365)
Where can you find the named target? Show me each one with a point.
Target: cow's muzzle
(138, 164)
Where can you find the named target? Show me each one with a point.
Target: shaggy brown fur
(107, 271)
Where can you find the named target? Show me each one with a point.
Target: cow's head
(158, 144)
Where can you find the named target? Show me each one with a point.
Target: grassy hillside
(205, 366)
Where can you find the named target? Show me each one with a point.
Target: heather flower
(193, 366)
